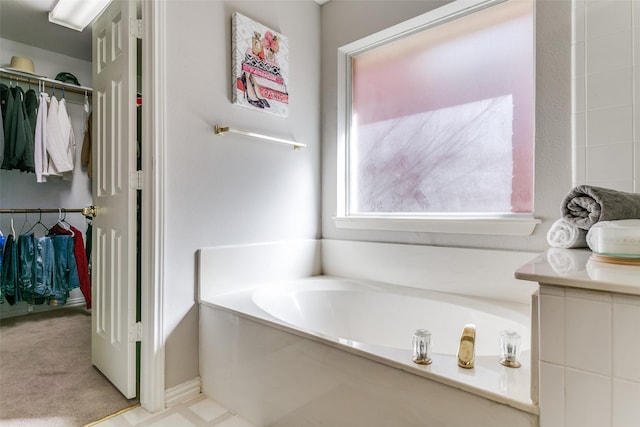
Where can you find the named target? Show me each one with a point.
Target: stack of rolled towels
(588, 210)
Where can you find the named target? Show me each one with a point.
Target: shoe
(256, 88)
(250, 93)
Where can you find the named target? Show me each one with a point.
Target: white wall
(20, 190)
(232, 189)
(606, 79)
(347, 21)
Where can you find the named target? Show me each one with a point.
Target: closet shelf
(50, 83)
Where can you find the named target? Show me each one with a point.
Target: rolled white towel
(566, 236)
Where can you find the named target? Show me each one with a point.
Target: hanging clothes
(86, 154)
(65, 274)
(18, 134)
(9, 273)
(68, 137)
(41, 160)
(35, 268)
(1, 139)
(79, 253)
(4, 98)
(2, 240)
(56, 146)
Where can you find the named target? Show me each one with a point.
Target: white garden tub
(334, 351)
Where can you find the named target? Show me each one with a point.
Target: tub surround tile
(552, 396)
(587, 399)
(597, 306)
(610, 88)
(609, 125)
(357, 391)
(588, 338)
(604, 17)
(626, 341)
(626, 396)
(487, 379)
(551, 317)
(609, 53)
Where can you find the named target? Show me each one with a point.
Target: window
(439, 122)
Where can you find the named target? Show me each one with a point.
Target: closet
(30, 203)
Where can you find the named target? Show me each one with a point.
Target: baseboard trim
(23, 308)
(182, 392)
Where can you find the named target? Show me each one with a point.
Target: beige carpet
(46, 376)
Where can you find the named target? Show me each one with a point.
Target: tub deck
(489, 379)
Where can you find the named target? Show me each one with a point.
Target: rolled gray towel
(585, 205)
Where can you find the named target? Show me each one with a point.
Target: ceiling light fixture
(76, 14)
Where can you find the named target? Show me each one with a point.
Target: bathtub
(336, 351)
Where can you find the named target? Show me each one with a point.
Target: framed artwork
(260, 61)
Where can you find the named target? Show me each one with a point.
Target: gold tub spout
(466, 348)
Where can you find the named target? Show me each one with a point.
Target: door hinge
(136, 180)
(135, 28)
(135, 332)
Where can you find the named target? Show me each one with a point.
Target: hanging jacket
(9, 273)
(86, 155)
(2, 240)
(8, 120)
(68, 137)
(31, 109)
(41, 161)
(80, 256)
(65, 273)
(36, 262)
(18, 134)
(56, 144)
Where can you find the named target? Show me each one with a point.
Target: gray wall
(232, 189)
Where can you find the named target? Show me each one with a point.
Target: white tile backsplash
(587, 399)
(604, 17)
(606, 37)
(609, 52)
(612, 162)
(609, 126)
(610, 88)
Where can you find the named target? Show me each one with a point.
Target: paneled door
(113, 320)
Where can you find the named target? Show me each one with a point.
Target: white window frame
(511, 224)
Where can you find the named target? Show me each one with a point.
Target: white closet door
(113, 348)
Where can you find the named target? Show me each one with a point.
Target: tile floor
(198, 412)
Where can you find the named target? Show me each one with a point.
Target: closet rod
(89, 211)
(25, 78)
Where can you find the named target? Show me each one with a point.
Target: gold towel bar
(220, 130)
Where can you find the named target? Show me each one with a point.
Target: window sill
(521, 226)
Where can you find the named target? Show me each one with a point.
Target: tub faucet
(466, 348)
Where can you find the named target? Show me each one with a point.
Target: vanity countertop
(577, 269)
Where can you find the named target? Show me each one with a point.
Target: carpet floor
(46, 375)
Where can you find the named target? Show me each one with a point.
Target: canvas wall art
(260, 60)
